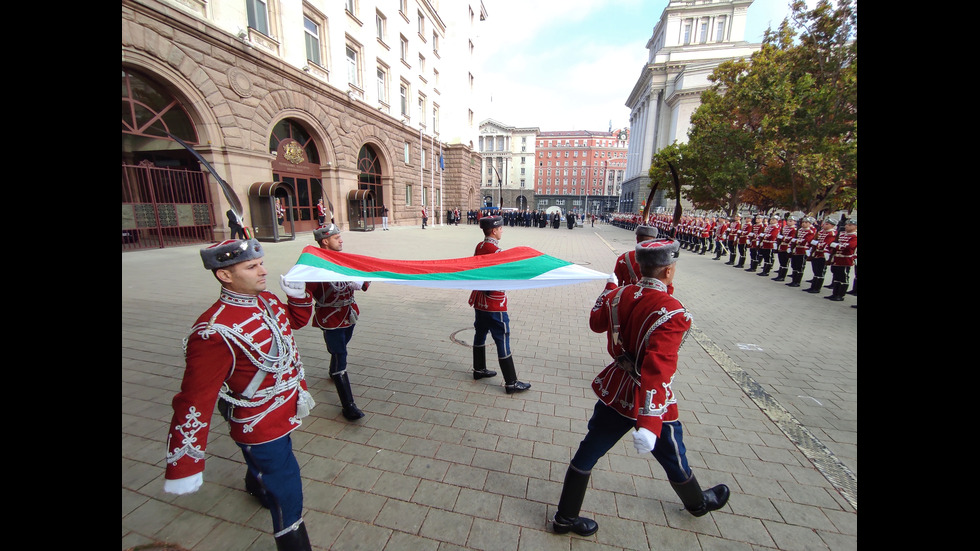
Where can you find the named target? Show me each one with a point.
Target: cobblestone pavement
(767, 388)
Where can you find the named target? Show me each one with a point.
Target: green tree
(780, 130)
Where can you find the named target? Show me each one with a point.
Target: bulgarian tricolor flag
(517, 268)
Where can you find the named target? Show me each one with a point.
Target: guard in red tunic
(721, 235)
(321, 213)
(754, 241)
(241, 351)
(820, 253)
(627, 270)
(490, 309)
(336, 314)
(799, 246)
(645, 327)
(734, 229)
(786, 235)
(767, 244)
(743, 241)
(844, 253)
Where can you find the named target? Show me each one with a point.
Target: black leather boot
(480, 363)
(570, 503)
(741, 262)
(294, 540)
(731, 257)
(766, 268)
(350, 410)
(795, 279)
(815, 286)
(511, 384)
(753, 265)
(697, 502)
(254, 488)
(839, 291)
(781, 274)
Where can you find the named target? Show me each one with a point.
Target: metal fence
(165, 207)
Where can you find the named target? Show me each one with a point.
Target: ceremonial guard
(786, 236)
(627, 270)
(336, 314)
(753, 242)
(280, 212)
(321, 213)
(820, 253)
(734, 229)
(645, 327)
(743, 241)
(844, 252)
(767, 245)
(241, 352)
(799, 248)
(490, 308)
(721, 236)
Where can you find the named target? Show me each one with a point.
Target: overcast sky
(571, 64)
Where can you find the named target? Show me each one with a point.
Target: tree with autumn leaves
(778, 131)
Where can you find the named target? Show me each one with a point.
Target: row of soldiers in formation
(764, 240)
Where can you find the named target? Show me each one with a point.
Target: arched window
(148, 109)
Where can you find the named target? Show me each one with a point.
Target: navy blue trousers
(607, 427)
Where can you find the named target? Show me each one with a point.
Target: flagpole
(442, 167)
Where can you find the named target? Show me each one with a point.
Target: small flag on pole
(442, 164)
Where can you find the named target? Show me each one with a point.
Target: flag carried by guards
(517, 268)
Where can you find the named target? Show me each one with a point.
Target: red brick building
(579, 170)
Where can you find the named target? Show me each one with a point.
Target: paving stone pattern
(767, 388)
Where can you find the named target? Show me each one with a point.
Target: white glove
(612, 279)
(644, 440)
(814, 242)
(293, 289)
(834, 245)
(186, 485)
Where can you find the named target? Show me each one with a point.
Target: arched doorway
(166, 198)
(297, 165)
(369, 179)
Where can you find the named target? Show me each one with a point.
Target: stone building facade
(273, 129)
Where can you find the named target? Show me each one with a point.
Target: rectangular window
(422, 25)
(312, 35)
(435, 78)
(435, 43)
(408, 151)
(380, 24)
(687, 32)
(352, 68)
(403, 91)
(704, 32)
(421, 109)
(258, 15)
(435, 118)
(404, 49)
(408, 195)
(351, 6)
(382, 85)
(720, 33)
(421, 64)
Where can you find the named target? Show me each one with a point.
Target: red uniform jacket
(819, 245)
(786, 234)
(488, 301)
(227, 341)
(846, 249)
(652, 326)
(335, 304)
(769, 236)
(803, 238)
